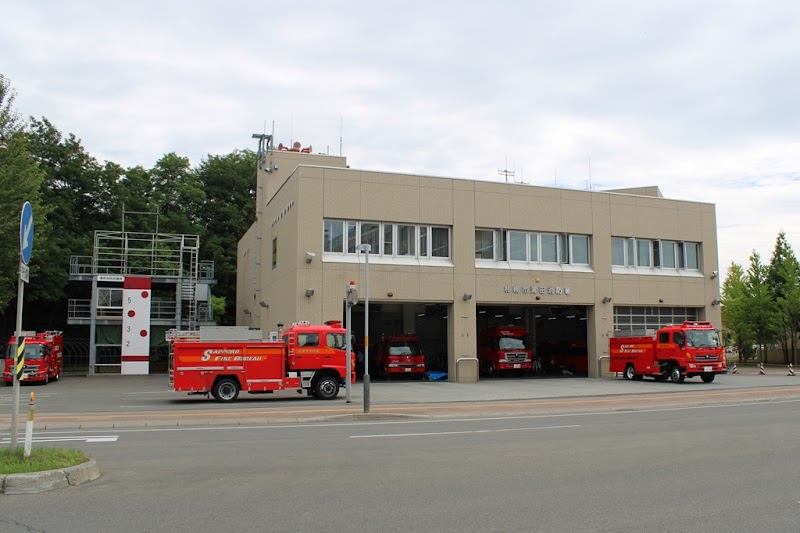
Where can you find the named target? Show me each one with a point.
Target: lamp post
(366, 249)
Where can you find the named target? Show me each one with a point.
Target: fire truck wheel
(707, 378)
(629, 372)
(675, 374)
(327, 388)
(226, 390)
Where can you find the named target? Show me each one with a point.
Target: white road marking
(86, 438)
(390, 435)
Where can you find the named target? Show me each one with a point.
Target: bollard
(29, 425)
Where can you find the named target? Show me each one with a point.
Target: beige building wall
(302, 190)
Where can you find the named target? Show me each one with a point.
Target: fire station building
(450, 257)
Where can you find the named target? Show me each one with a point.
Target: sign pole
(19, 361)
(25, 248)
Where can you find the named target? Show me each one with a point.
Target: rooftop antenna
(505, 172)
(264, 142)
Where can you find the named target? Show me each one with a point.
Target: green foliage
(12, 461)
(229, 183)
(734, 311)
(762, 305)
(20, 181)
(218, 304)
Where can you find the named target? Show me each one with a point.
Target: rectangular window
(484, 244)
(643, 252)
(517, 244)
(618, 251)
(109, 297)
(549, 248)
(388, 230)
(274, 253)
(333, 236)
(440, 242)
(423, 241)
(668, 254)
(692, 255)
(534, 240)
(579, 245)
(351, 238)
(406, 237)
(370, 234)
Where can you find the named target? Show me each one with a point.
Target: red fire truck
(503, 348)
(44, 357)
(224, 361)
(400, 354)
(675, 352)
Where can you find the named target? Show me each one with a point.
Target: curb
(36, 482)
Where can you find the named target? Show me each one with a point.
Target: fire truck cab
(503, 348)
(44, 357)
(400, 354)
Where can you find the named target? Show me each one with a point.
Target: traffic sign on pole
(26, 232)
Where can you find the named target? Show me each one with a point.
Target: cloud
(695, 98)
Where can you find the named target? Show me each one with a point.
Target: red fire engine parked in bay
(675, 352)
(223, 361)
(400, 354)
(503, 348)
(44, 357)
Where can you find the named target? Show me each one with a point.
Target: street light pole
(366, 249)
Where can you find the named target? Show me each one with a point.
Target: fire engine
(503, 348)
(44, 357)
(674, 352)
(223, 361)
(400, 354)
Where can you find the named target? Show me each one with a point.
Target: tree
(760, 305)
(21, 181)
(176, 191)
(79, 193)
(229, 182)
(783, 278)
(734, 311)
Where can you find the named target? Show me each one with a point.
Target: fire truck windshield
(337, 340)
(511, 343)
(702, 339)
(32, 351)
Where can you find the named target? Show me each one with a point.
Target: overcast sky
(699, 98)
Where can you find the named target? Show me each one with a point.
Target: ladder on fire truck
(171, 336)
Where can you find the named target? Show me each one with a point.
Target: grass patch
(40, 459)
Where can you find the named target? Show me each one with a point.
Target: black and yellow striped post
(19, 359)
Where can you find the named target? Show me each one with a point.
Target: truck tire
(226, 390)
(707, 378)
(675, 374)
(326, 387)
(630, 372)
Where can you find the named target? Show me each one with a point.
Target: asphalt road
(143, 401)
(708, 468)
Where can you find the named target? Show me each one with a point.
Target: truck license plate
(708, 369)
(517, 365)
(408, 370)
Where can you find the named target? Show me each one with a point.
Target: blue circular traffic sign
(26, 232)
